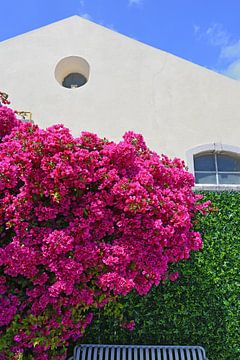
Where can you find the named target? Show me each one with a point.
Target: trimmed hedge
(202, 307)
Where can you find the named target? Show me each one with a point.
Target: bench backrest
(138, 352)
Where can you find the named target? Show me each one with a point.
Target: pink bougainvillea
(129, 325)
(7, 121)
(82, 220)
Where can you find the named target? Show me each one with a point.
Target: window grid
(216, 167)
(216, 173)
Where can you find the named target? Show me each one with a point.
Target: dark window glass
(205, 178)
(229, 178)
(226, 172)
(228, 163)
(204, 163)
(74, 80)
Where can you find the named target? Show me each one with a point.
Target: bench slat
(176, 354)
(182, 354)
(112, 353)
(83, 353)
(119, 354)
(129, 354)
(95, 353)
(188, 354)
(147, 353)
(164, 354)
(170, 354)
(194, 356)
(89, 353)
(106, 357)
(153, 354)
(101, 353)
(135, 354)
(200, 354)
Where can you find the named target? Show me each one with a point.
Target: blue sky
(206, 32)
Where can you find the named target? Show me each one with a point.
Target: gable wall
(175, 104)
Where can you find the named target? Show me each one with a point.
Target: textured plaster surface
(175, 104)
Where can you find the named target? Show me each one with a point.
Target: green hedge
(202, 307)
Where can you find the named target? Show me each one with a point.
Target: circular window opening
(72, 72)
(74, 80)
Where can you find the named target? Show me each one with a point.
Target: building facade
(90, 78)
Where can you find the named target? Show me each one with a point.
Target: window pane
(205, 178)
(74, 80)
(228, 178)
(228, 163)
(204, 163)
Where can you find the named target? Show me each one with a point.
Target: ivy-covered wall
(202, 307)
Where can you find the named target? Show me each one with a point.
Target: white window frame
(214, 148)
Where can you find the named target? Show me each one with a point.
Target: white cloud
(233, 70)
(108, 25)
(215, 35)
(231, 52)
(229, 48)
(135, 2)
(196, 29)
(86, 16)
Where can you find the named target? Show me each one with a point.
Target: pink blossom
(173, 276)
(82, 221)
(130, 325)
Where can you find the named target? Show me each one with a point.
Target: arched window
(215, 164)
(217, 168)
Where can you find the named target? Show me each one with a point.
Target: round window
(72, 72)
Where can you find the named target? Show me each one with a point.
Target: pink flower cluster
(82, 220)
(130, 325)
(8, 121)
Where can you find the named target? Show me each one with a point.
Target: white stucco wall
(175, 104)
